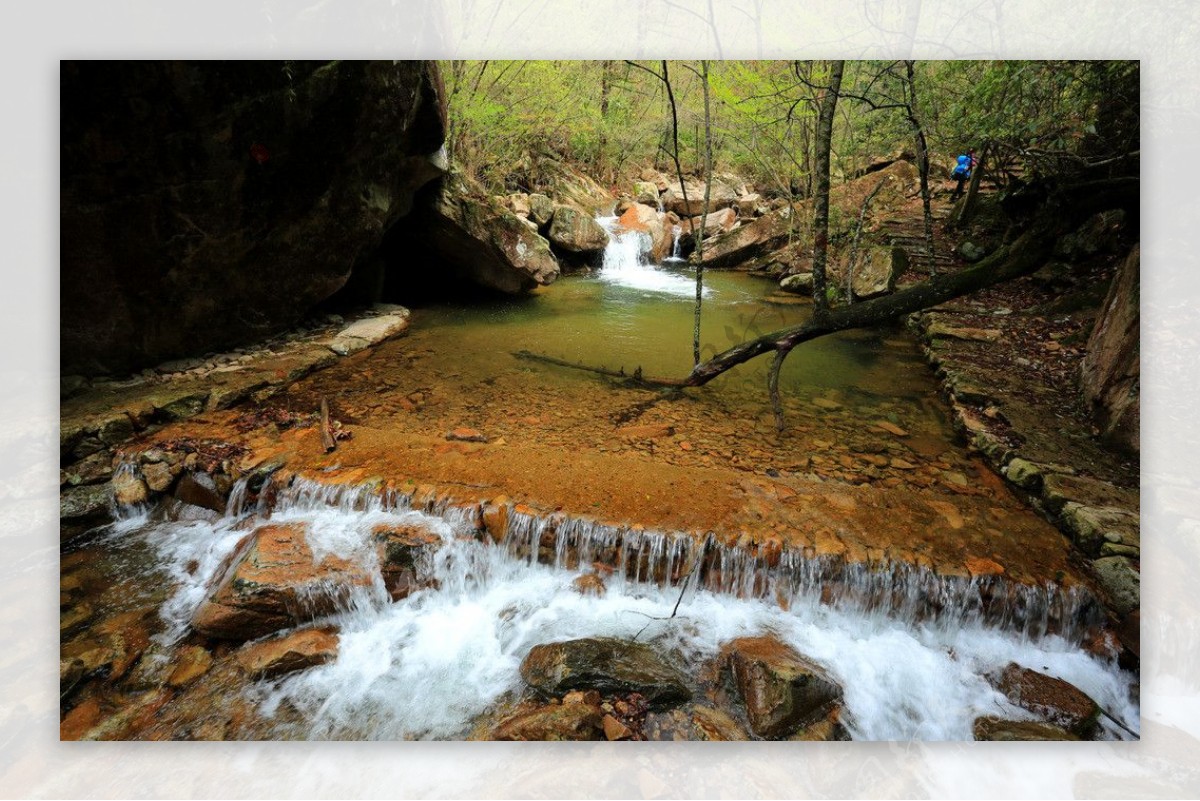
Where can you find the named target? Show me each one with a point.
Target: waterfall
(626, 263)
(676, 233)
(909, 646)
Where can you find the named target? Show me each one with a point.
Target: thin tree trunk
(821, 199)
(605, 90)
(703, 214)
(922, 164)
(666, 79)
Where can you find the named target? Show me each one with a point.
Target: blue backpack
(963, 168)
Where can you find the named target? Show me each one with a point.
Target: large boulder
(724, 193)
(875, 273)
(646, 192)
(1110, 375)
(541, 209)
(611, 666)
(782, 691)
(1000, 730)
(767, 233)
(205, 204)
(276, 584)
(797, 284)
(577, 233)
(717, 222)
(474, 239)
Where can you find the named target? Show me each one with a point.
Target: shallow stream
(433, 665)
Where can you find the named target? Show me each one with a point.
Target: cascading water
(911, 648)
(676, 235)
(626, 262)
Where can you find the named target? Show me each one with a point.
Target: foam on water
(430, 665)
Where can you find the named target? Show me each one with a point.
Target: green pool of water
(600, 320)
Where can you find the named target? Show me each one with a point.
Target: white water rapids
(429, 665)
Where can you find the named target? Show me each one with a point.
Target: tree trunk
(968, 206)
(922, 164)
(821, 199)
(703, 214)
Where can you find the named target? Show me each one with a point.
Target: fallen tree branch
(538, 357)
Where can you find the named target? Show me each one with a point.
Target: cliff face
(205, 204)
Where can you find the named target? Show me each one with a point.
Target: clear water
(631, 315)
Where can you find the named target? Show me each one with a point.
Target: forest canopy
(611, 118)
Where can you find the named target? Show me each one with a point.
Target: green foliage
(512, 120)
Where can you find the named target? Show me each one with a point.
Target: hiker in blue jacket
(962, 172)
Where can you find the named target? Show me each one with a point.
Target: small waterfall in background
(676, 232)
(626, 262)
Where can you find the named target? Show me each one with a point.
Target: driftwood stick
(538, 357)
(327, 439)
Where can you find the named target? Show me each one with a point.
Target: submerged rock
(404, 558)
(581, 721)
(609, 665)
(1001, 730)
(782, 691)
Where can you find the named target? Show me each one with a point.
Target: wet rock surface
(276, 584)
(294, 651)
(780, 689)
(606, 665)
(1054, 700)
